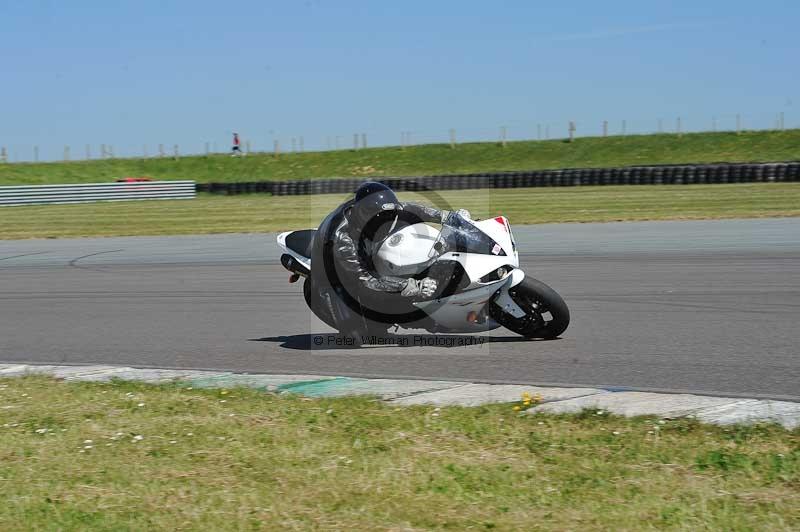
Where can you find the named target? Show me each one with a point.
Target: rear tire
(537, 300)
(357, 328)
(375, 329)
(318, 310)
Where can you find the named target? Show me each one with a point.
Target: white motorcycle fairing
(411, 250)
(452, 313)
(299, 257)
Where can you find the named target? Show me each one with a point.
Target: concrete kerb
(405, 392)
(479, 394)
(637, 404)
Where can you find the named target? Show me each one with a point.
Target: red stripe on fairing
(503, 220)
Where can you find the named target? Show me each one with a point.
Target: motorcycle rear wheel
(318, 310)
(537, 300)
(360, 328)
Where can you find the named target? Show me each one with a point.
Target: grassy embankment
(260, 213)
(122, 456)
(428, 159)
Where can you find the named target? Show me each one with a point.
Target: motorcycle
(476, 265)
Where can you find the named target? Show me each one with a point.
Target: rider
(352, 234)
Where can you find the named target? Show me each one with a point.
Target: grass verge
(127, 456)
(259, 213)
(427, 159)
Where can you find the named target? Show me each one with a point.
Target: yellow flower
(526, 402)
(516, 408)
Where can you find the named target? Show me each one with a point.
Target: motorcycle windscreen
(461, 236)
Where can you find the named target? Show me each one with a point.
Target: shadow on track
(332, 341)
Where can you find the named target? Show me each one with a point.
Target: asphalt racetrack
(708, 307)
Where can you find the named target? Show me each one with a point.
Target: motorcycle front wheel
(546, 313)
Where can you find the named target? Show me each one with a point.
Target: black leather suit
(354, 251)
(342, 270)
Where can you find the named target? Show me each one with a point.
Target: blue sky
(150, 72)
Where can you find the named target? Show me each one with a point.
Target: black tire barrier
(793, 172)
(780, 172)
(630, 175)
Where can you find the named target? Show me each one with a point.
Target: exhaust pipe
(291, 264)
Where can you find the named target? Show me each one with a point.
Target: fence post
(175, 150)
(88, 152)
(161, 150)
(503, 136)
(624, 127)
(678, 126)
(780, 121)
(111, 151)
(452, 139)
(402, 140)
(355, 141)
(302, 147)
(102, 151)
(3, 154)
(738, 124)
(571, 130)
(36, 154)
(66, 153)
(276, 145)
(206, 149)
(605, 128)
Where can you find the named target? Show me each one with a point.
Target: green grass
(126, 456)
(428, 159)
(260, 213)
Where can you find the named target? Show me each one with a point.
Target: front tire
(538, 301)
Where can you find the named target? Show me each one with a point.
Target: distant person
(236, 150)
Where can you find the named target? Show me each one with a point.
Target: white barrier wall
(44, 194)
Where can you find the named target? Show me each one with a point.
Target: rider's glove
(426, 288)
(464, 213)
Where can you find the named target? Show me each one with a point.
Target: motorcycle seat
(301, 242)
